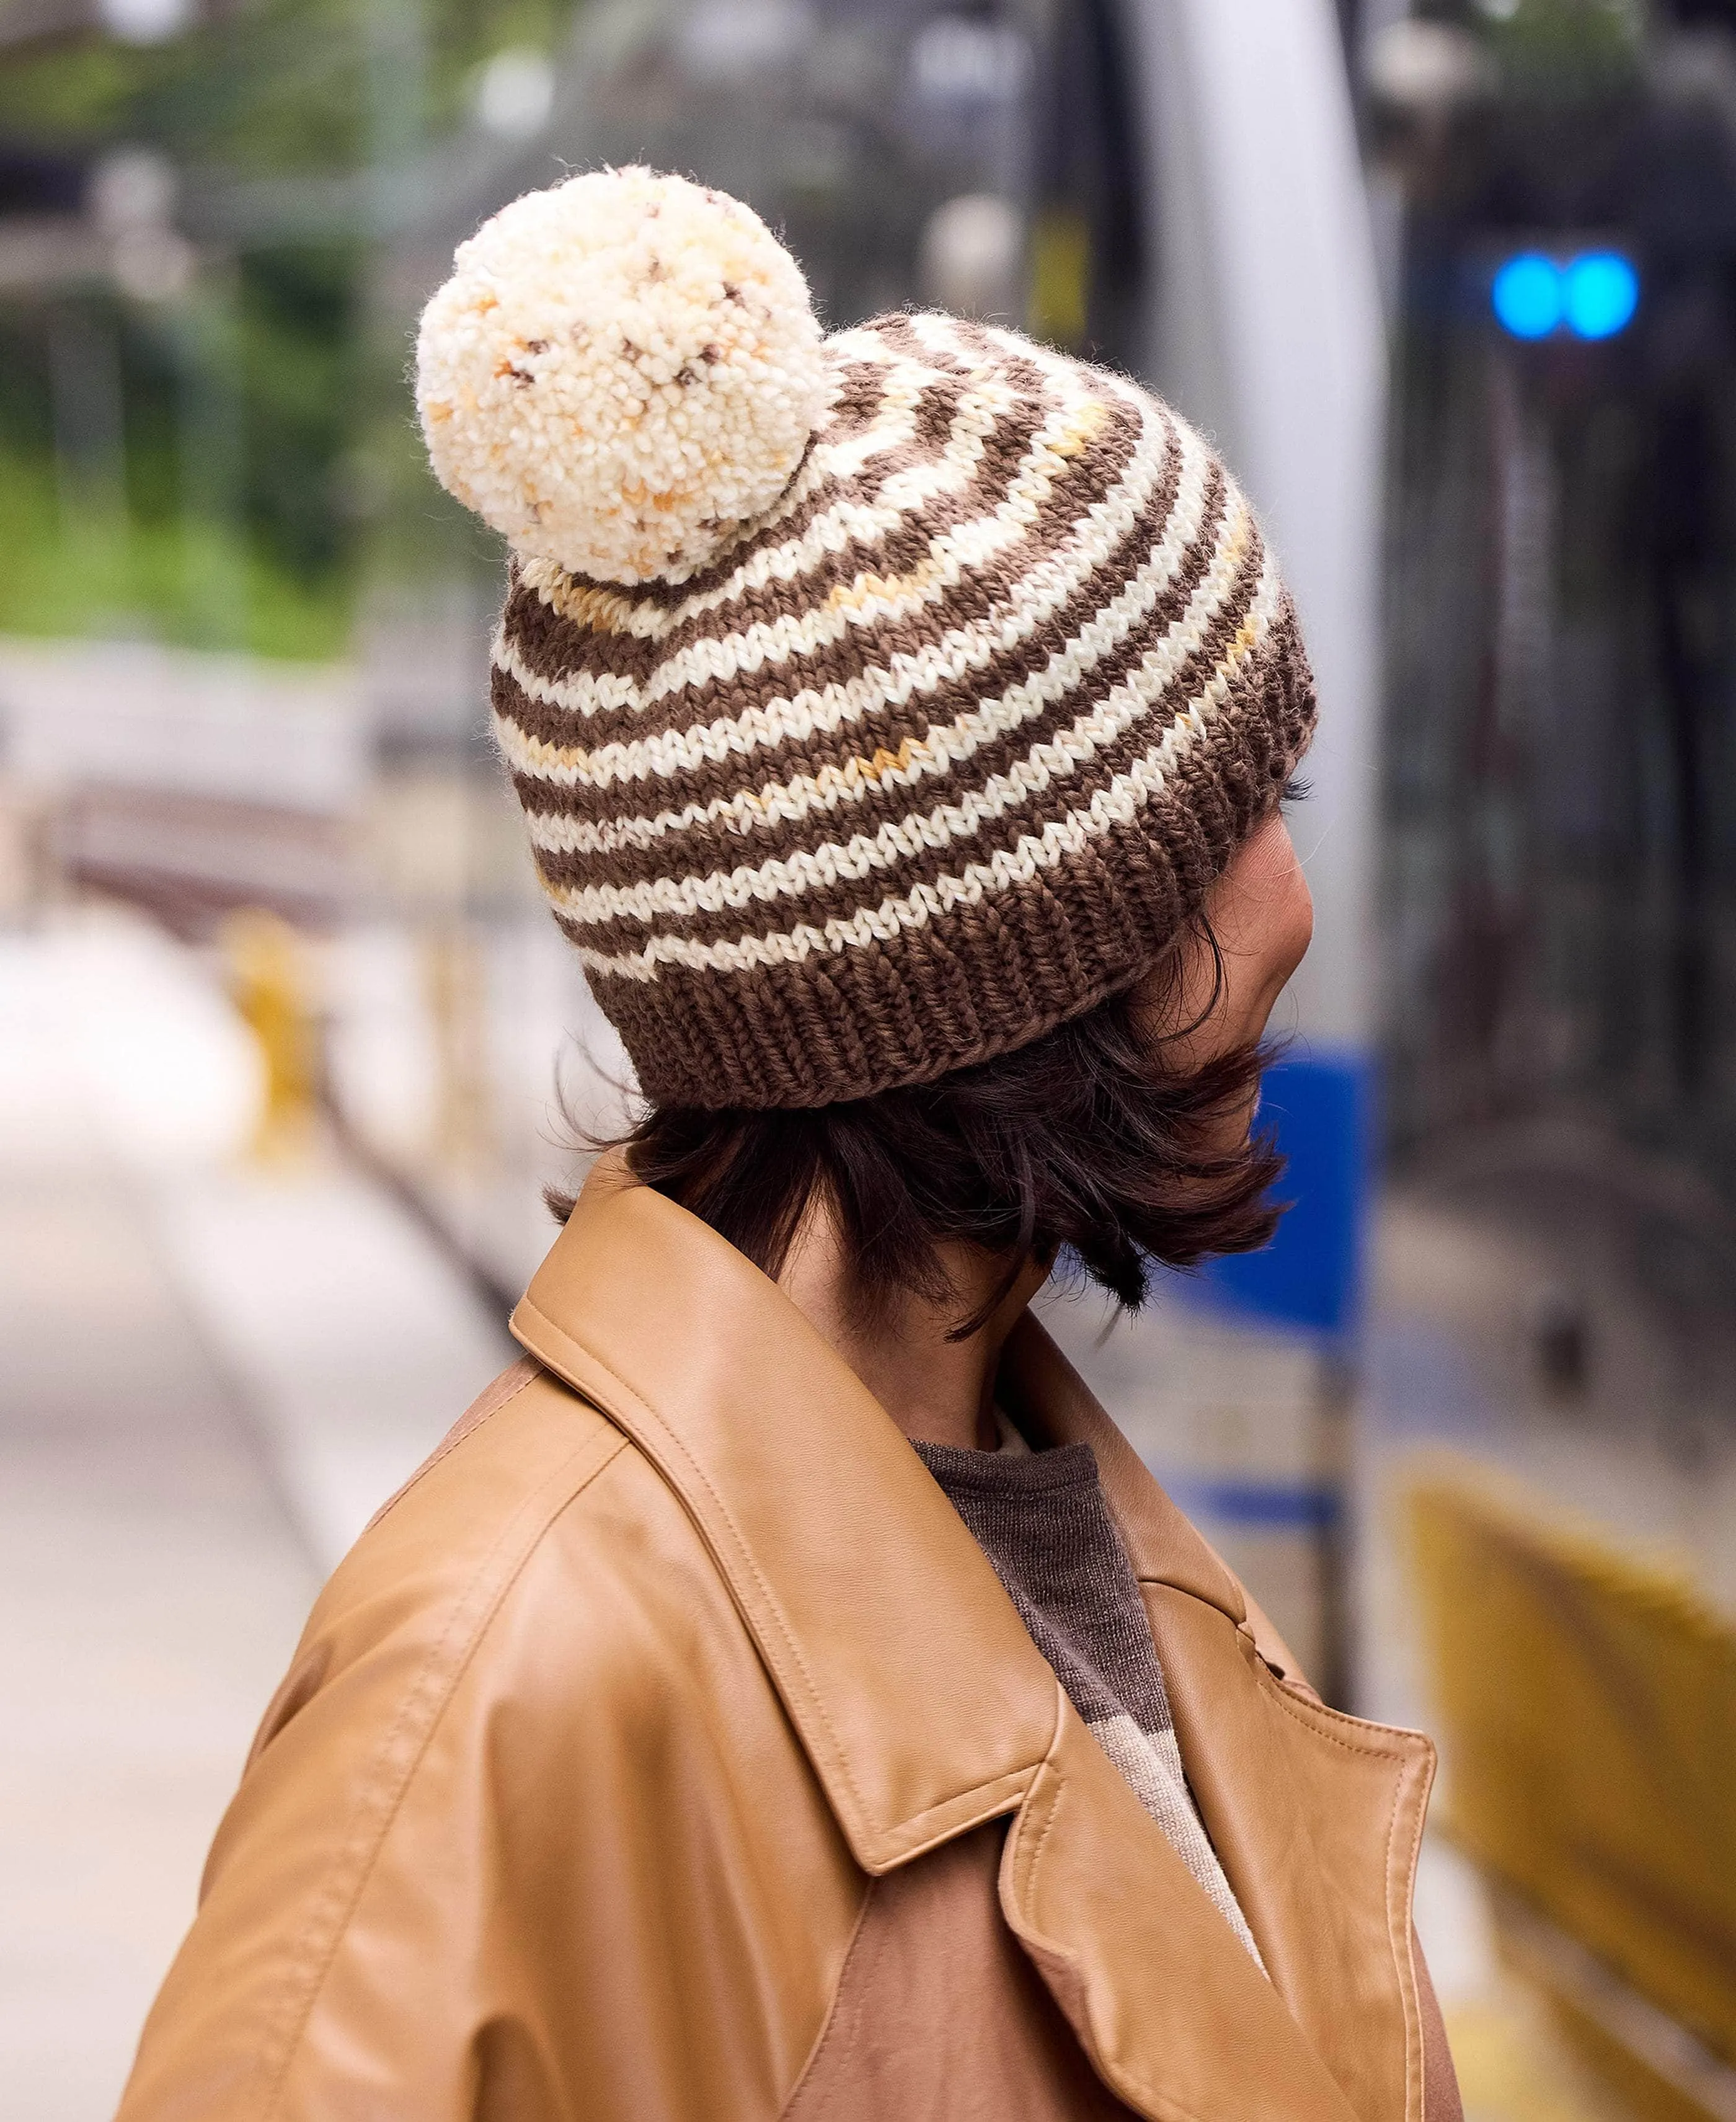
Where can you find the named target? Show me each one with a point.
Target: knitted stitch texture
(936, 752)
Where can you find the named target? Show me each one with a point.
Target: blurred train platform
(1545, 1481)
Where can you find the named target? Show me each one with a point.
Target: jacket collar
(921, 1700)
(863, 1591)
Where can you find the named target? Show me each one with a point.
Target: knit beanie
(878, 700)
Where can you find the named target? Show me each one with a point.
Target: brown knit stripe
(907, 885)
(869, 746)
(607, 622)
(862, 385)
(794, 1036)
(771, 691)
(906, 434)
(877, 649)
(551, 644)
(1073, 674)
(1073, 783)
(900, 751)
(866, 374)
(905, 554)
(761, 1039)
(870, 365)
(838, 465)
(647, 611)
(1223, 805)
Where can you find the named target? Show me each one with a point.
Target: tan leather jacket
(668, 1749)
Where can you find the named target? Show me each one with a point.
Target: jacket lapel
(1316, 1817)
(925, 1709)
(1169, 2006)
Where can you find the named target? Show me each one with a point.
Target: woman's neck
(939, 1390)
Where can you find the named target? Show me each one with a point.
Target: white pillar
(1268, 333)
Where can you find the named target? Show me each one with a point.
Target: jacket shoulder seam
(488, 1403)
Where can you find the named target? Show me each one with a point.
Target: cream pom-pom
(621, 370)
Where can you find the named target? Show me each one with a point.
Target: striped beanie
(876, 701)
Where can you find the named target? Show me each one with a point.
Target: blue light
(1528, 295)
(1600, 292)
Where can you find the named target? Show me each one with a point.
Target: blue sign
(1320, 1110)
(1260, 1505)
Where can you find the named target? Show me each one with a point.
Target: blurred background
(288, 1048)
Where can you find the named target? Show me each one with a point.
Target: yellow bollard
(455, 982)
(270, 983)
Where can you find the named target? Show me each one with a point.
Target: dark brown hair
(1083, 1146)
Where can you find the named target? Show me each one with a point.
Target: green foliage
(236, 411)
(276, 89)
(94, 574)
(298, 357)
(67, 94)
(279, 87)
(267, 434)
(463, 34)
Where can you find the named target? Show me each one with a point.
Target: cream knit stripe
(940, 334)
(968, 547)
(1052, 582)
(831, 531)
(809, 715)
(936, 328)
(870, 601)
(943, 746)
(893, 426)
(1113, 807)
(978, 412)
(901, 840)
(907, 677)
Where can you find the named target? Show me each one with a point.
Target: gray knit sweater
(1041, 1519)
